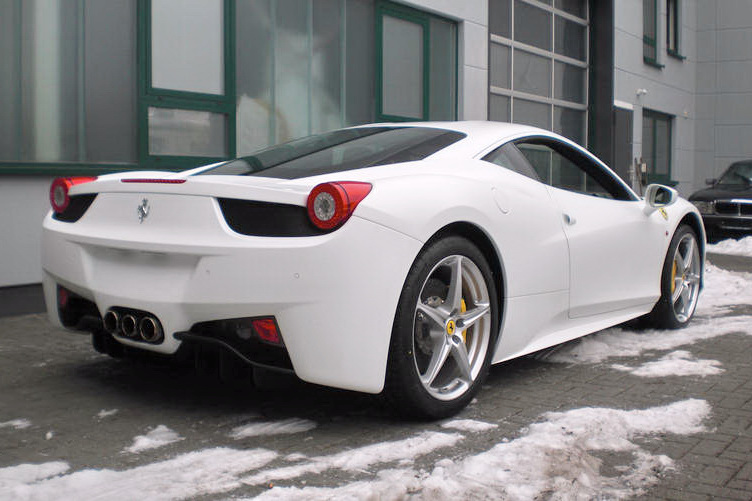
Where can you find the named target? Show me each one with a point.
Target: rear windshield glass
(339, 151)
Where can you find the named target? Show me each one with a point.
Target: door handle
(569, 219)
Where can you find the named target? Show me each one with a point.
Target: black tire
(664, 314)
(404, 391)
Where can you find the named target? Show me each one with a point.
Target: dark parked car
(726, 206)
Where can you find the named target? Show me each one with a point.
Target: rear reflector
(158, 181)
(267, 330)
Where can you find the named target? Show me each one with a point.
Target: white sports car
(394, 258)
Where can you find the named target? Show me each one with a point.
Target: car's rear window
(339, 151)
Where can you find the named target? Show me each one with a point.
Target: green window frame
(673, 29)
(650, 33)
(386, 8)
(652, 118)
(153, 97)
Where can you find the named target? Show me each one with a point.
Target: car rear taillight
(267, 330)
(331, 204)
(59, 198)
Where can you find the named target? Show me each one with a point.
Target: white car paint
(335, 295)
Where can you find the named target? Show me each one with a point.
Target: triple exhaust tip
(148, 328)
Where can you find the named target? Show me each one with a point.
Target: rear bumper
(334, 296)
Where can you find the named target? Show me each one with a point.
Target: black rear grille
(77, 206)
(267, 219)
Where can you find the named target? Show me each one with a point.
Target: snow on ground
(618, 342)
(723, 288)
(552, 458)
(676, 363)
(190, 475)
(468, 425)
(49, 435)
(158, 437)
(742, 247)
(360, 458)
(18, 424)
(285, 426)
(106, 413)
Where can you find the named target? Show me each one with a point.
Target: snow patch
(470, 425)
(18, 424)
(158, 437)
(49, 435)
(676, 363)
(14, 476)
(106, 413)
(742, 247)
(723, 288)
(360, 458)
(286, 426)
(618, 342)
(552, 459)
(190, 475)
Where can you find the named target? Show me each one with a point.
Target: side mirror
(711, 181)
(657, 196)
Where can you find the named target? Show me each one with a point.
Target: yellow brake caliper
(463, 309)
(673, 277)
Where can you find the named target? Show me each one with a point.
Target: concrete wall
(670, 89)
(724, 85)
(472, 18)
(24, 201)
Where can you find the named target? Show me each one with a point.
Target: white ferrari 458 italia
(401, 259)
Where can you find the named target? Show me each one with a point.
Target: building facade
(97, 86)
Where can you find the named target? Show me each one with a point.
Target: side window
(509, 157)
(560, 166)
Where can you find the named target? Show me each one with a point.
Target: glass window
(574, 7)
(402, 43)
(500, 67)
(532, 73)
(649, 27)
(68, 81)
(564, 168)
(326, 63)
(178, 132)
(443, 68)
(570, 123)
(673, 26)
(418, 65)
(532, 113)
(254, 75)
(187, 46)
(569, 82)
(532, 25)
(499, 108)
(509, 157)
(291, 63)
(499, 17)
(359, 71)
(570, 39)
(340, 151)
(656, 144)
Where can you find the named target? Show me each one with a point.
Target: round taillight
(331, 204)
(59, 198)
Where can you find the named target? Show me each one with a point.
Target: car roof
(480, 134)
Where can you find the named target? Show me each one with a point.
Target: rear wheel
(444, 331)
(680, 281)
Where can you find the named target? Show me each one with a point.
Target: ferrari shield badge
(663, 213)
(143, 210)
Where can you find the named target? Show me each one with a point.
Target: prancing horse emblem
(143, 210)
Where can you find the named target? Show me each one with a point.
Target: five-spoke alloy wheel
(681, 281)
(444, 330)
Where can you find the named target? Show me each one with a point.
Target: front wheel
(444, 331)
(680, 282)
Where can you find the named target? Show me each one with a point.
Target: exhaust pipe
(111, 321)
(129, 326)
(150, 330)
